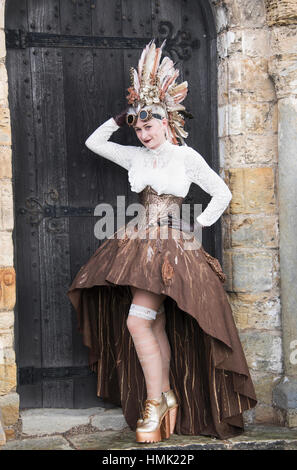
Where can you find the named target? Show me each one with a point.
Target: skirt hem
(208, 370)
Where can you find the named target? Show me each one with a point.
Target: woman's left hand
(120, 119)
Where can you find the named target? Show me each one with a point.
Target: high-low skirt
(208, 369)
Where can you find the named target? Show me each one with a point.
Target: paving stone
(265, 438)
(255, 437)
(42, 443)
(110, 440)
(111, 419)
(102, 440)
(37, 422)
(262, 431)
(291, 445)
(260, 445)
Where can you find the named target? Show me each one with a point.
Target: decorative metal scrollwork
(180, 44)
(53, 213)
(34, 209)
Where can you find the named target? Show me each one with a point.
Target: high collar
(161, 148)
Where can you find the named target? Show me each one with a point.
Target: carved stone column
(282, 17)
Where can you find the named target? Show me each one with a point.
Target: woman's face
(151, 133)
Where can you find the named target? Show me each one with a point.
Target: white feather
(166, 68)
(136, 81)
(149, 62)
(142, 58)
(176, 107)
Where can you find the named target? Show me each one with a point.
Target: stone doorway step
(106, 429)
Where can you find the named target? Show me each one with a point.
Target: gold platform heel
(173, 407)
(155, 424)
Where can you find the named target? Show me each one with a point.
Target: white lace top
(169, 169)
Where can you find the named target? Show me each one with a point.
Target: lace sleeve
(200, 173)
(120, 154)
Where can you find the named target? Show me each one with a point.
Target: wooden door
(68, 67)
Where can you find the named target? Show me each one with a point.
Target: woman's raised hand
(120, 119)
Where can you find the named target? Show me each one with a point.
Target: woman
(150, 303)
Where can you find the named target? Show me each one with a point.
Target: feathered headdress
(154, 84)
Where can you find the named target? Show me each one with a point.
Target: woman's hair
(156, 108)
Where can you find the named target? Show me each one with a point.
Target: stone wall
(248, 126)
(282, 17)
(9, 399)
(256, 66)
(281, 12)
(257, 86)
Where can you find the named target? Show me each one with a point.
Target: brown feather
(156, 64)
(170, 80)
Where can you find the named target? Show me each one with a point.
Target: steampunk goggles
(143, 115)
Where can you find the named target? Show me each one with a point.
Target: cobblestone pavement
(85, 437)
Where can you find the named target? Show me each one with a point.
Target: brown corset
(159, 206)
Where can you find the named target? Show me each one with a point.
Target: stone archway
(257, 75)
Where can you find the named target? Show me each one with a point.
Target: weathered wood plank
(26, 244)
(49, 130)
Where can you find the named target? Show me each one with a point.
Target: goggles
(144, 115)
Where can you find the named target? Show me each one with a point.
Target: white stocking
(139, 323)
(161, 335)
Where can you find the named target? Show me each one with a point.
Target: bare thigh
(147, 298)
